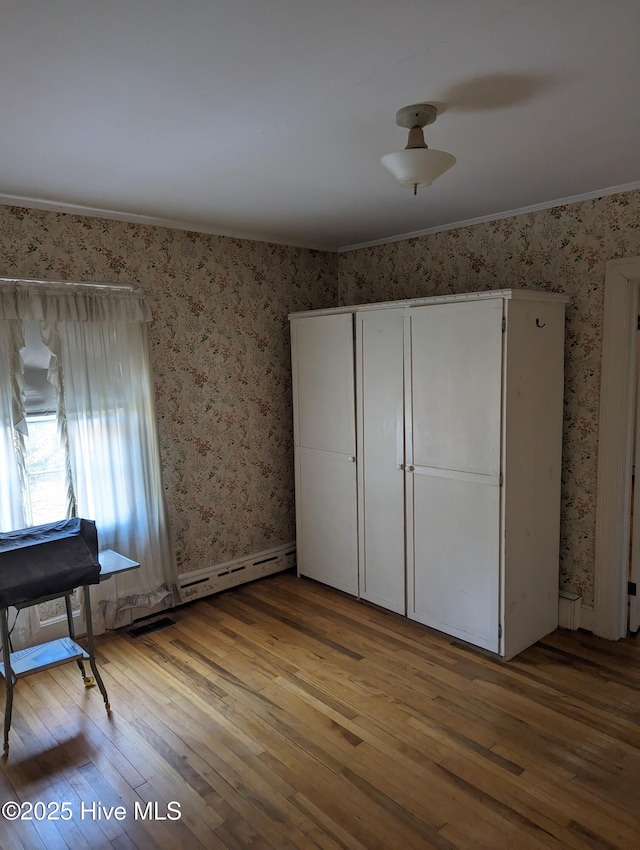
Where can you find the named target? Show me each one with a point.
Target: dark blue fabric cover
(45, 560)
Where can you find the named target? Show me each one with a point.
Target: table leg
(72, 634)
(8, 678)
(92, 659)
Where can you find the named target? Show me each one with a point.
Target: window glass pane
(46, 470)
(39, 394)
(46, 475)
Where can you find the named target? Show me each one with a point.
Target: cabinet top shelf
(525, 294)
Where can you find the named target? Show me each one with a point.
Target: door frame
(613, 493)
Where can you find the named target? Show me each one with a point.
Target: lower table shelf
(43, 656)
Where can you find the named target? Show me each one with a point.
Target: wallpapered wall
(564, 249)
(220, 354)
(220, 345)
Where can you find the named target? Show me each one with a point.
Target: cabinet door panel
(326, 509)
(325, 447)
(380, 367)
(323, 383)
(454, 411)
(454, 584)
(456, 355)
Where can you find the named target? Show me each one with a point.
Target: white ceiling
(267, 119)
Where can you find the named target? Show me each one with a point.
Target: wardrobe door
(380, 388)
(453, 410)
(325, 449)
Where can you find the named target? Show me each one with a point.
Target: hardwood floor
(285, 715)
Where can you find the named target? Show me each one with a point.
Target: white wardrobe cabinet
(451, 513)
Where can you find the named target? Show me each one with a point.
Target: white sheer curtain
(106, 394)
(11, 426)
(100, 367)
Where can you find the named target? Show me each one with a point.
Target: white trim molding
(613, 494)
(495, 216)
(157, 221)
(199, 226)
(586, 618)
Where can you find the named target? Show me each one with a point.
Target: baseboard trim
(205, 582)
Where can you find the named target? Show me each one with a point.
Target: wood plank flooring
(283, 714)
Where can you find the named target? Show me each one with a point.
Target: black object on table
(47, 562)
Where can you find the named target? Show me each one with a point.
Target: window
(91, 340)
(45, 462)
(45, 495)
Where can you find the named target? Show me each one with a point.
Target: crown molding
(177, 224)
(455, 225)
(150, 220)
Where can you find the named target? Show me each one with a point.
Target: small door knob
(412, 468)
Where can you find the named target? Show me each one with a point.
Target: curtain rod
(118, 286)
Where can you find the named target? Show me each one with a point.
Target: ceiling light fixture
(417, 165)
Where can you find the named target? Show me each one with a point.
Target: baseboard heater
(199, 583)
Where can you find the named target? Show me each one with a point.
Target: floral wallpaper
(220, 345)
(221, 358)
(564, 249)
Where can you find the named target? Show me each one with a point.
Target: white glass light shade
(418, 167)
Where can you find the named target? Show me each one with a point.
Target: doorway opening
(633, 606)
(616, 449)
